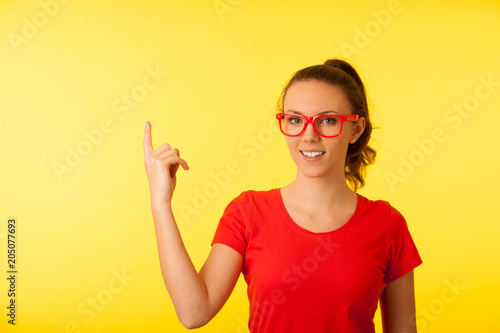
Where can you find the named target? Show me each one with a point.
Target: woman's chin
(313, 173)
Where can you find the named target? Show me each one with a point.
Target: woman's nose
(310, 134)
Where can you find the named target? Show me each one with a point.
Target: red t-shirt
(301, 281)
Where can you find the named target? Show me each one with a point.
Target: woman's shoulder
(256, 196)
(382, 208)
(250, 201)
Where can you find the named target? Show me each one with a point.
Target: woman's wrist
(161, 206)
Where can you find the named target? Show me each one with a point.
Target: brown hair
(341, 73)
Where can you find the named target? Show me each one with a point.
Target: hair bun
(346, 68)
(332, 62)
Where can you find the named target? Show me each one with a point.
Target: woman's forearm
(185, 286)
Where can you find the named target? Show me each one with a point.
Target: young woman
(317, 256)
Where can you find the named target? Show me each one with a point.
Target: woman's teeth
(312, 154)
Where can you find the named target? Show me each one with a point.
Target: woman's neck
(320, 195)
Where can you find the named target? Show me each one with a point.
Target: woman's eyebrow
(319, 114)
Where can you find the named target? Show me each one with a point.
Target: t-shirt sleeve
(231, 230)
(401, 253)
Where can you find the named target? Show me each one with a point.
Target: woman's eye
(328, 120)
(295, 120)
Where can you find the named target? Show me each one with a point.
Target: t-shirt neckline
(346, 226)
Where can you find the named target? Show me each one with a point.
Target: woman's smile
(312, 153)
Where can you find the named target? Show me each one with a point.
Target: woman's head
(341, 74)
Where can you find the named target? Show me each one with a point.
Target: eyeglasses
(327, 126)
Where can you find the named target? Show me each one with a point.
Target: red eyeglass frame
(342, 118)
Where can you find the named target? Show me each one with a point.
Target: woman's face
(311, 98)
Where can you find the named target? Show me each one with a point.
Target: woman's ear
(358, 129)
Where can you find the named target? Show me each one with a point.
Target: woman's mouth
(312, 153)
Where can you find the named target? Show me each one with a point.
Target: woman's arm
(397, 305)
(197, 297)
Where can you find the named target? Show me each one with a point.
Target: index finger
(148, 144)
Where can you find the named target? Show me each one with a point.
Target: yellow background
(226, 67)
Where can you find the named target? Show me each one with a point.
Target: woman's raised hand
(161, 167)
